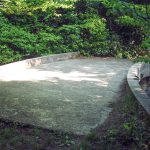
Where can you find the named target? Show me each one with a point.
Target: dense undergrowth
(30, 28)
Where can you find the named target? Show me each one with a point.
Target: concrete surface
(144, 75)
(144, 70)
(33, 62)
(134, 78)
(72, 95)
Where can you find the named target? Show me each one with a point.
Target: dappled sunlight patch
(71, 95)
(36, 75)
(67, 100)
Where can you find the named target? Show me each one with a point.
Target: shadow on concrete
(70, 96)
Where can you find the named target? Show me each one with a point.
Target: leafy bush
(115, 46)
(100, 28)
(7, 55)
(18, 39)
(95, 35)
(130, 21)
(81, 6)
(71, 37)
(146, 43)
(48, 43)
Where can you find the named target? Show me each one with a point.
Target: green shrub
(71, 37)
(94, 27)
(48, 43)
(146, 43)
(145, 53)
(115, 46)
(95, 37)
(130, 21)
(81, 6)
(7, 55)
(18, 39)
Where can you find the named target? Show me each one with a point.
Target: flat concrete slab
(72, 95)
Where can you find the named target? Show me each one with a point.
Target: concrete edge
(29, 63)
(133, 78)
(144, 70)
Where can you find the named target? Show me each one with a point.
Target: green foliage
(94, 27)
(48, 43)
(71, 37)
(128, 20)
(115, 46)
(146, 43)
(14, 6)
(94, 35)
(81, 6)
(28, 6)
(17, 39)
(7, 55)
